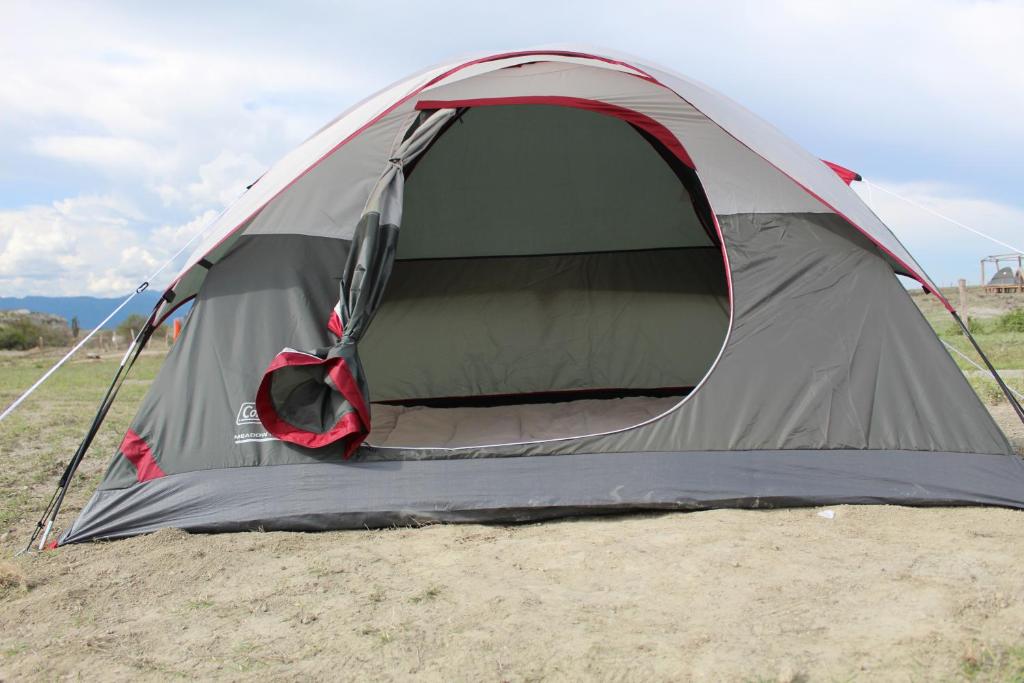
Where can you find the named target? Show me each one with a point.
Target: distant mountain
(89, 309)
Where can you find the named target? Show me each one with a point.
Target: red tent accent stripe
(844, 173)
(340, 374)
(138, 453)
(334, 325)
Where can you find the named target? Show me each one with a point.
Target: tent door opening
(557, 275)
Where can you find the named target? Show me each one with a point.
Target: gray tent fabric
(629, 320)
(352, 495)
(321, 397)
(776, 360)
(229, 473)
(586, 176)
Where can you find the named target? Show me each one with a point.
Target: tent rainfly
(538, 284)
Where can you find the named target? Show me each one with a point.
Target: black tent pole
(995, 374)
(45, 523)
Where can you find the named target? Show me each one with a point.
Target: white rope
(138, 290)
(944, 217)
(979, 367)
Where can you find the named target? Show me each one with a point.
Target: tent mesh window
(558, 275)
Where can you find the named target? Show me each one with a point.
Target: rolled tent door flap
(320, 397)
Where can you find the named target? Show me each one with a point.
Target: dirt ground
(874, 593)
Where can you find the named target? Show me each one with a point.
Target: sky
(124, 127)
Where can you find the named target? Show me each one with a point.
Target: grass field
(877, 593)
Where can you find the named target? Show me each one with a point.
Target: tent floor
(356, 494)
(431, 427)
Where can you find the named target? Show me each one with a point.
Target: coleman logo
(247, 415)
(250, 434)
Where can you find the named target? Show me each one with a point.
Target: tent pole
(995, 374)
(49, 516)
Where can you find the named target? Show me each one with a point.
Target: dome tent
(545, 283)
(1005, 276)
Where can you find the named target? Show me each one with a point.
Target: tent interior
(558, 274)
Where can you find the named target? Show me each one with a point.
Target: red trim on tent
(334, 325)
(642, 121)
(340, 374)
(139, 454)
(165, 316)
(354, 424)
(844, 173)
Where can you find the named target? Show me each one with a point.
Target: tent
(537, 284)
(1005, 276)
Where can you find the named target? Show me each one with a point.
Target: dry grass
(11, 577)
(984, 664)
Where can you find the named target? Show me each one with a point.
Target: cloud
(91, 87)
(173, 109)
(107, 152)
(98, 245)
(221, 180)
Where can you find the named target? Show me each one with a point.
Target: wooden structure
(1005, 285)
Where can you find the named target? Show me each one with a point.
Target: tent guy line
(977, 366)
(944, 217)
(143, 286)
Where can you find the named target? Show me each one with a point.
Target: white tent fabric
(728, 144)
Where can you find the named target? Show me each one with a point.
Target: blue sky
(123, 126)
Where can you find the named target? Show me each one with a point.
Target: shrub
(19, 335)
(973, 324)
(21, 330)
(1011, 322)
(131, 326)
